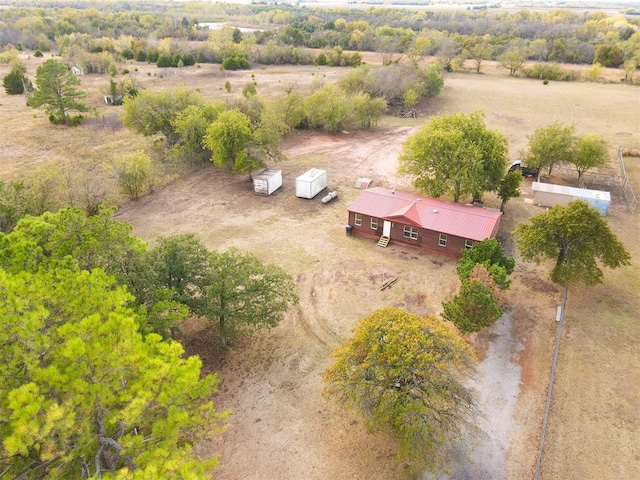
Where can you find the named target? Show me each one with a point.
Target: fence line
(629, 194)
(552, 377)
(619, 179)
(633, 205)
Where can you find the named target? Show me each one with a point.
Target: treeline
(562, 36)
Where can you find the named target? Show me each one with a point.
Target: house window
(468, 244)
(410, 232)
(358, 220)
(374, 224)
(442, 240)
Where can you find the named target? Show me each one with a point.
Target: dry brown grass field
(281, 427)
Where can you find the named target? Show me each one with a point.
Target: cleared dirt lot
(281, 427)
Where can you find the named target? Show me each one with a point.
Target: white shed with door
(550, 195)
(267, 181)
(311, 183)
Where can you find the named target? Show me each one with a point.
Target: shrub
(37, 54)
(544, 71)
(15, 81)
(164, 61)
(152, 55)
(474, 308)
(593, 74)
(76, 120)
(551, 71)
(249, 90)
(9, 56)
(134, 174)
(235, 62)
(188, 59)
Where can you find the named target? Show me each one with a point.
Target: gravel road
(498, 384)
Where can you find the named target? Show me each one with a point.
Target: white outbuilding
(550, 195)
(311, 183)
(267, 181)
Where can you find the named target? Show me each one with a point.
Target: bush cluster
(550, 71)
(166, 60)
(236, 62)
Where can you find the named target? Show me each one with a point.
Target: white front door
(386, 229)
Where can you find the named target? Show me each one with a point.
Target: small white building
(77, 70)
(550, 195)
(311, 183)
(267, 181)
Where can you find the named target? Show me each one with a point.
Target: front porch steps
(383, 242)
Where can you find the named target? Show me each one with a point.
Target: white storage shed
(311, 183)
(550, 195)
(267, 181)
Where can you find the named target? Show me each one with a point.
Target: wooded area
(95, 35)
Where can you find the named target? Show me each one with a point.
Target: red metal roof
(466, 221)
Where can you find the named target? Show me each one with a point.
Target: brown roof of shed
(465, 221)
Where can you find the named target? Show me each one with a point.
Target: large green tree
(590, 151)
(474, 308)
(235, 291)
(151, 113)
(328, 109)
(84, 394)
(103, 242)
(513, 59)
(509, 187)
(191, 126)
(98, 241)
(455, 154)
(56, 89)
(551, 145)
(577, 238)
(178, 264)
(243, 295)
(16, 82)
(368, 110)
(228, 137)
(406, 374)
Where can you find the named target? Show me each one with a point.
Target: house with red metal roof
(427, 223)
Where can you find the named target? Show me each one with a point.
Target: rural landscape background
(280, 425)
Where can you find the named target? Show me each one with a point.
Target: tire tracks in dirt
(315, 324)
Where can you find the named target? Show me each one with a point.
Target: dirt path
(498, 385)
